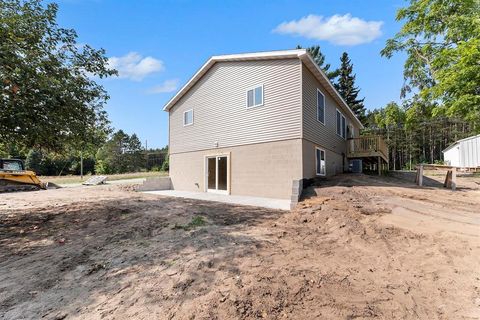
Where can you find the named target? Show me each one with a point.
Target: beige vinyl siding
(322, 135)
(219, 103)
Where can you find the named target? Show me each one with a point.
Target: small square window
(188, 117)
(255, 97)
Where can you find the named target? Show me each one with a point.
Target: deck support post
(420, 175)
(454, 179)
(379, 166)
(451, 179)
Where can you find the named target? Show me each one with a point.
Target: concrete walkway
(242, 200)
(120, 181)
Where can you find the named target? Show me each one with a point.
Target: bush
(35, 162)
(156, 169)
(101, 167)
(166, 164)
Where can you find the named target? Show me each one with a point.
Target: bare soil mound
(346, 252)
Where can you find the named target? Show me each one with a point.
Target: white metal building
(464, 153)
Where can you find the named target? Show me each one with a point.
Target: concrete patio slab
(242, 200)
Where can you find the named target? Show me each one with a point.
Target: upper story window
(188, 117)
(350, 131)
(341, 125)
(320, 107)
(255, 97)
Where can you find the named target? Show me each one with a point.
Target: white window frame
(343, 128)
(324, 106)
(187, 124)
(225, 154)
(263, 97)
(316, 162)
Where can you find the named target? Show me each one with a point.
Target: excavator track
(16, 188)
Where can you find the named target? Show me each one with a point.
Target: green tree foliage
(135, 154)
(319, 59)
(122, 153)
(156, 159)
(54, 164)
(441, 39)
(35, 161)
(412, 134)
(345, 85)
(48, 98)
(166, 163)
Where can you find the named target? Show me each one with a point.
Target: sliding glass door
(217, 174)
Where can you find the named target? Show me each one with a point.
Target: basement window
(320, 161)
(188, 118)
(255, 97)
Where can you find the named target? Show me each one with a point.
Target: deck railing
(367, 145)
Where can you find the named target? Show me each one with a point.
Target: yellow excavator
(14, 177)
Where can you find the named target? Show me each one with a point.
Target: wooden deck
(371, 149)
(368, 146)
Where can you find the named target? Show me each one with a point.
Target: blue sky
(158, 45)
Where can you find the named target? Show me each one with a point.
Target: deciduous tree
(48, 98)
(441, 39)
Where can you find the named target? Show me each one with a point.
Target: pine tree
(345, 85)
(319, 59)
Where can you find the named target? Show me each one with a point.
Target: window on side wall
(320, 162)
(341, 125)
(320, 107)
(255, 97)
(188, 117)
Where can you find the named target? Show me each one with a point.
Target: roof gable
(301, 54)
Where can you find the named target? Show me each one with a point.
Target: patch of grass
(197, 221)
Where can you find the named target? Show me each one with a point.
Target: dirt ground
(357, 247)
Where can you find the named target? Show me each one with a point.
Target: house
(258, 124)
(463, 153)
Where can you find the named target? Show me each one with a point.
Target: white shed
(464, 153)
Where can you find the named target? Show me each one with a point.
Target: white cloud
(337, 29)
(167, 86)
(134, 66)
